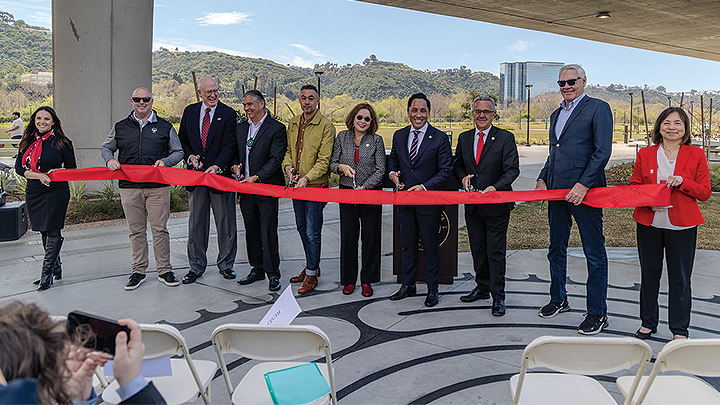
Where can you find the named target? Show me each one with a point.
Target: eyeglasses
(360, 118)
(571, 82)
(139, 99)
(483, 112)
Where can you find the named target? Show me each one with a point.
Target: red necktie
(357, 153)
(205, 128)
(479, 149)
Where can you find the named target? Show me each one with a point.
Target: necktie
(414, 146)
(479, 148)
(205, 128)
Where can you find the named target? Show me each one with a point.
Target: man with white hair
(581, 132)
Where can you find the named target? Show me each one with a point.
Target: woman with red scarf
(44, 148)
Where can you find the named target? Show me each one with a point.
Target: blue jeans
(589, 223)
(309, 221)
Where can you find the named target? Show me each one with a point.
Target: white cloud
(298, 61)
(308, 50)
(519, 46)
(234, 17)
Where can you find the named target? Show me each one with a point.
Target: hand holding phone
(94, 332)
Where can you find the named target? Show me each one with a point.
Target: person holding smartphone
(38, 367)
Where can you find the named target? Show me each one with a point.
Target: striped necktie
(414, 147)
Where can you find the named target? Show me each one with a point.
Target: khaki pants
(143, 205)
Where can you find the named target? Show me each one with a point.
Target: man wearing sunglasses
(486, 160)
(207, 134)
(581, 132)
(143, 138)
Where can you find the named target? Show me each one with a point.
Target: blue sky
(305, 32)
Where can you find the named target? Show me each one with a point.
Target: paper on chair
(155, 367)
(283, 311)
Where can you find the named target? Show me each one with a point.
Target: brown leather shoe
(308, 285)
(299, 278)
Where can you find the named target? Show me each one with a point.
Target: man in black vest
(145, 139)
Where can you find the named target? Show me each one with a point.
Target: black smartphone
(94, 332)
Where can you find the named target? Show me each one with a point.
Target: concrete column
(102, 51)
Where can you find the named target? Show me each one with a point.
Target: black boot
(44, 244)
(52, 250)
(57, 268)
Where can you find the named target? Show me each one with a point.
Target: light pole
(692, 115)
(318, 73)
(669, 101)
(527, 86)
(631, 114)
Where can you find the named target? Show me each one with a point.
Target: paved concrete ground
(383, 352)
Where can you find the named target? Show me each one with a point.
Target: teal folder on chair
(297, 385)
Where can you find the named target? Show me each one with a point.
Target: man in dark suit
(261, 144)
(207, 134)
(420, 159)
(486, 160)
(581, 133)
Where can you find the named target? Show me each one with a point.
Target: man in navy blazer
(420, 159)
(486, 160)
(261, 145)
(207, 134)
(581, 132)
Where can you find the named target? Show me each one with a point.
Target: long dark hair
(657, 136)
(32, 345)
(59, 139)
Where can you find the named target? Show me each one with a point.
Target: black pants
(488, 244)
(353, 217)
(260, 215)
(679, 249)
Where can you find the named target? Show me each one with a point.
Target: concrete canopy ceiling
(680, 27)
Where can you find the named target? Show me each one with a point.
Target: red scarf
(33, 152)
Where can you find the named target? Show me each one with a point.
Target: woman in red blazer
(672, 229)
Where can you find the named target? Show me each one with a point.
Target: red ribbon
(643, 195)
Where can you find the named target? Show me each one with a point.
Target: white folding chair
(575, 358)
(690, 356)
(271, 344)
(189, 379)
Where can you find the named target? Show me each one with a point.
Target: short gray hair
(256, 94)
(484, 98)
(574, 66)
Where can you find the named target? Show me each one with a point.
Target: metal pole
(647, 130)
(682, 98)
(255, 85)
(631, 114)
(275, 101)
(528, 114)
(702, 120)
(707, 152)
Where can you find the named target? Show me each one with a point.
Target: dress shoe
(367, 290)
(308, 285)
(498, 307)
(643, 335)
(475, 295)
(432, 298)
(251, 278)
(190, 278)
(301, 277)
(228, 274)
(348, 289)
(274, 283)
(404, 291)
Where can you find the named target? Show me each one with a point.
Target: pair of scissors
(291, 183)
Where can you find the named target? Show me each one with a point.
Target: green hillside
(23, 48)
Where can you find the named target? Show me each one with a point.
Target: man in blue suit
(581, 133)
(207, 134)
(420, 159)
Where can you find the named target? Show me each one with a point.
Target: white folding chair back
(691, 356)
(189, 379)
(575, 357)
(274, 345)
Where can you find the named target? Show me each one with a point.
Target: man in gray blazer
(261, 145)
(581, 133)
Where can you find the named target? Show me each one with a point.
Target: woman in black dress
(44, 148)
